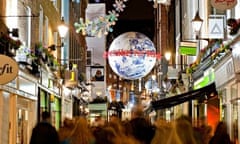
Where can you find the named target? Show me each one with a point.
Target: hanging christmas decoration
(101, 25)
(234, 25)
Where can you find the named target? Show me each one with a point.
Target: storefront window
(234, 91)
(235, 111)
(27, 86)
(44, 102)
(56, 112)
(22, 129)
(223, 100)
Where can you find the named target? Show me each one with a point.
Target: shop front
(18, 103)
(235, 93)
(97, 112)
(227, 77)
(202, 109)
(49, 98)
(49, 101)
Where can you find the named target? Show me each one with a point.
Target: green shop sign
(188, 48)
(204, 81)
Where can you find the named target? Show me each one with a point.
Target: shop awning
(202, 94)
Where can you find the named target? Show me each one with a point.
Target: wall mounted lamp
(14, 32)
(62, 29)
(53, 47)
(197, 23)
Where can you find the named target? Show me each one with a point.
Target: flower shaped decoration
(119, 5)
(103, 24)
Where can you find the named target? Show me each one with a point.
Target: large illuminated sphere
(132, 55)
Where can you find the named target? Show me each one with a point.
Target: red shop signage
(223, 4)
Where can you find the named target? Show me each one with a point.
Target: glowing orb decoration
(132, 55)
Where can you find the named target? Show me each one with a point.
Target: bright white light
(109, 87)
(66, 91)
(62, 29)
(167, 55)
(130, 105)
(98, 93)
(154, 77)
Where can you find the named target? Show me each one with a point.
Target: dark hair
(45, 115)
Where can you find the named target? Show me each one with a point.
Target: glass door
(235, 113)
(22, 126)
(235, 122)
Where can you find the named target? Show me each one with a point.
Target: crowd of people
(138, 130)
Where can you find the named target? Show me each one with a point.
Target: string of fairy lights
(102, 25)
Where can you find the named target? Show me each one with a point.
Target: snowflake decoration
(119, 5)
(103, 24)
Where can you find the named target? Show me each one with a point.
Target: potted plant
(23, 55)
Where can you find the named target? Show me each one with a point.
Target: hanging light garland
(102, 25)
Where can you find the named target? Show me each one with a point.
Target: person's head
(81, 133)
(163, 131)
(46, 116)
(137, 111)
(221, 127)
(98, 73)
(185, 130)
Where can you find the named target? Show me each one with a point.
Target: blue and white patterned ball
(132, 55)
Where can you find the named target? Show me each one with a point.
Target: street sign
(216, 27)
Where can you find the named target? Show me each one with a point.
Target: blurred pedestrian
(185, 131)
(44, 132)
(164, 133)
(221, 135)
(81, 133)
(141, 128)
(66, 131)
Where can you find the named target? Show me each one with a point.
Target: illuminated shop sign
(188, 48)
(8, 69)
(71, 78)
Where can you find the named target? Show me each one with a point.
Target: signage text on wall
(8, 69)
(223, 4)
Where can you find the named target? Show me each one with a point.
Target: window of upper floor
(56, 4)
(41, 24)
